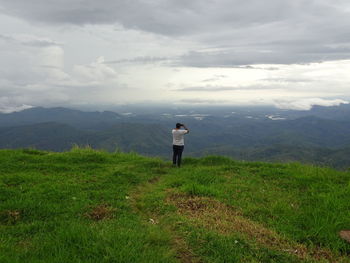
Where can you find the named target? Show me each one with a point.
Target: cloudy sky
(288, 53)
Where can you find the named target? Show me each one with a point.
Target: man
(178, 142)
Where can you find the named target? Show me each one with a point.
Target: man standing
(178, 142)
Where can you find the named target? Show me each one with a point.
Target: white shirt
(178, 137)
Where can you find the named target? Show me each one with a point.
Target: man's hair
(178, 125)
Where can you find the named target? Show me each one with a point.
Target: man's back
(178, 136)
(178, 143)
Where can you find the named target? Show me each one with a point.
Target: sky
(76, 53)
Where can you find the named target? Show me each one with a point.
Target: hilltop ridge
(92, 206)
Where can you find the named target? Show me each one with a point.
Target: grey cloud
(207, 88)
(40, 43)
(289, 80)
(175, 17)
(254, 67)
(49, 67)
(277, 55)
(245, 67)
(7, 105)
(244, 32)
(139, 60)
(210, 88)
(307, 104)
(214, 78)
(5, 38)
(159, 17)
(210, 80)
(165, 17)
(202, 101)
(29, 40)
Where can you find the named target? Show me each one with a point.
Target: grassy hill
(91, 206)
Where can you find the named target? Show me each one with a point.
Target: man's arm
(183, 125)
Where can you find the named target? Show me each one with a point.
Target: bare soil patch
(100, 212)
(345, 234)
(10, 216)
(154, 180)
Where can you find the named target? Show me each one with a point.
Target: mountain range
(255, 134)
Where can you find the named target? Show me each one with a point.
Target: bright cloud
(307, 104)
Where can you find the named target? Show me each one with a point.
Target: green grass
(92, 206)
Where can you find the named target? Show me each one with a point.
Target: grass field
(92, 206)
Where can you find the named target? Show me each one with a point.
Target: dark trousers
(177, 154)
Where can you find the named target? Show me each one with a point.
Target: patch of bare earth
(100, 212)
(345, 234)
(216, 216)
(154, 180)
(10, 216)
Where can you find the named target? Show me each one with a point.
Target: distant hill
(142, 138)
(79, 119)
(341, 112)
(337, 158)
(45, 136)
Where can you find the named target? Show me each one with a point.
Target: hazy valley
(320, 136)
